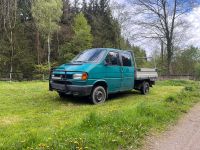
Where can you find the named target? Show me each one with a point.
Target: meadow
(31, 117)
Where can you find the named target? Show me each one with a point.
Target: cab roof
(108, 49)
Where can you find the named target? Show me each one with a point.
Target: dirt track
(184, 136)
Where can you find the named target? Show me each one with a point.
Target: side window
(112, 58)
(126, 59)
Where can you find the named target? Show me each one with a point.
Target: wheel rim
(99, 95)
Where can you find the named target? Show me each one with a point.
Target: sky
(194, 30)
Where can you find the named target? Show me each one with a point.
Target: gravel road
(184, 136)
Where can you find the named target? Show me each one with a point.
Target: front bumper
(71, 89)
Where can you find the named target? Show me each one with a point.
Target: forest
(36, 35)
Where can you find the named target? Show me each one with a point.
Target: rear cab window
(126, 59)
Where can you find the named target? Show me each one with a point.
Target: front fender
(100, 81)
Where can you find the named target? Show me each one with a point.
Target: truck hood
(85, 67)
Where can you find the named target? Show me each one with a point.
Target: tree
(76, 8)
(197, 71)
(47, 14)
(186, 60)
(105, 27)
(160, 19)
(9, 19)
(34, 24)
(67, 12)
(81, 40)
(123, 17)
(24, 9)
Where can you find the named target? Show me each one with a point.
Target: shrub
(189, 88)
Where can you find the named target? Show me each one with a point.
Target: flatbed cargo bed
(146, 73)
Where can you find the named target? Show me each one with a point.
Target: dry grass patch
(9, 120)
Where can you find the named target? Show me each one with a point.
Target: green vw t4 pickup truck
(99, 72)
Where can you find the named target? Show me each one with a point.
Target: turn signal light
(84, 76)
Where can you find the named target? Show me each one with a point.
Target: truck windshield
(92, 55)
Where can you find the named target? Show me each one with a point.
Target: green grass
(31, 117)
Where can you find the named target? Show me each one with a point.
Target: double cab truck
(98, 72)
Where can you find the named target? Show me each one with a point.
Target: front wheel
(98, 95)
(145, 88)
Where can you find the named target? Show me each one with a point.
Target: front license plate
(58, 86)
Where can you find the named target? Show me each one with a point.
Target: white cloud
(194, 30)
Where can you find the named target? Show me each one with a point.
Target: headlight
(80, 76)
(77, 76)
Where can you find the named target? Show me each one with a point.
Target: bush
(189, 88)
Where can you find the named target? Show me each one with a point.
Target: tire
(98, 95)
(145, 88)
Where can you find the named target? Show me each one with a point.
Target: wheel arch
(139, 83)
(101, 83)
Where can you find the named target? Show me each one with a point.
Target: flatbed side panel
(146, 74)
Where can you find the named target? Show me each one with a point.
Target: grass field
(31, 117)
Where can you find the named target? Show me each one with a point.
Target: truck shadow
(86, 100)
(75, 100)
(123, 95)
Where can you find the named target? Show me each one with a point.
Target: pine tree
(81, 40)
(105, 28)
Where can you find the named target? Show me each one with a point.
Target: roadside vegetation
(33, 118)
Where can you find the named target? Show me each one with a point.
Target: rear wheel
(145, 88)
(98, 95)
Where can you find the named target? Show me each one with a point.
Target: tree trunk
(38, 46)
(162, 52)
(49, 51)
(168, 66)
(119, 40)
(169, 57)
(11, 56)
